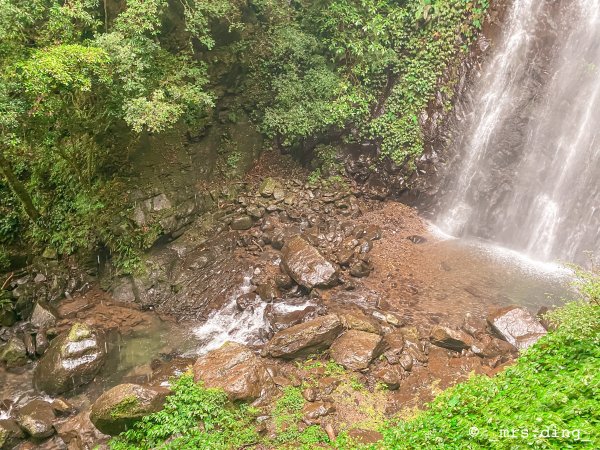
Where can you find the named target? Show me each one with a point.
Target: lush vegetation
(549, 399)
(82, 80)
(194, 417)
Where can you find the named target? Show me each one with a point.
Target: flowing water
(527, 169)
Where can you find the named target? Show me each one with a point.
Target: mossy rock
(73, 359)
(14, 353)
(120, 407)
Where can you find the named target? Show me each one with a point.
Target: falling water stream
(527, 169)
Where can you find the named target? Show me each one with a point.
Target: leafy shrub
(194, 417)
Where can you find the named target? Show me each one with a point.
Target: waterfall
(526, 167)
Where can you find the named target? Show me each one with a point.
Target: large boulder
(445, 337)
(14, 353)
(517, 326)
(36, 418)
(304, 339)
(235, 369)
(305, 264)
(120, 407)
(356, 349)
(73, 359)
(10, 434)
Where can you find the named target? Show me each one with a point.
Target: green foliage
(79, 84)
(367, 69)
(76, 90)
(287, 414)
(550, 399)
(588, 283)
(332, 369)
(193, 417)
(356, 384)
(4, 259)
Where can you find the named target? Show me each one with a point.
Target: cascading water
(527, 167)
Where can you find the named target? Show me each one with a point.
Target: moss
(79, 331)
(125, 408)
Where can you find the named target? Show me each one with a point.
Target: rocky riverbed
(357, 301)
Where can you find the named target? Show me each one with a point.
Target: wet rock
(43, 316)
(41, 342)
(10, 434)
(516, 326)
(235, 369)
(242, 223)
(445, 337)
(53, 443)
(267, 187)
(406, 362)
(310, 394)
(120, 407)
(278, 193)
(312, 412)
(361, 269)
(246, 301)
(255, 212)
(475, 326)
(394, 344)
(29, 343)
(416, 239)
(305, 264)
(62, 407)
(281, 319)
(329, 384)
(413, 346)
(124, 290)
(79, 433)
(361, 322)
(73, 359)
(390, 376)
(304, 339)
(14, 353)
(373, 233)
(268, 291)
(356, 349)
(491, 347)
(36, 419)
(8, 315)
(6, 407)
(284, 281)
(365, 436)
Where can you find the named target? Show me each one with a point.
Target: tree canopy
(82, 80)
